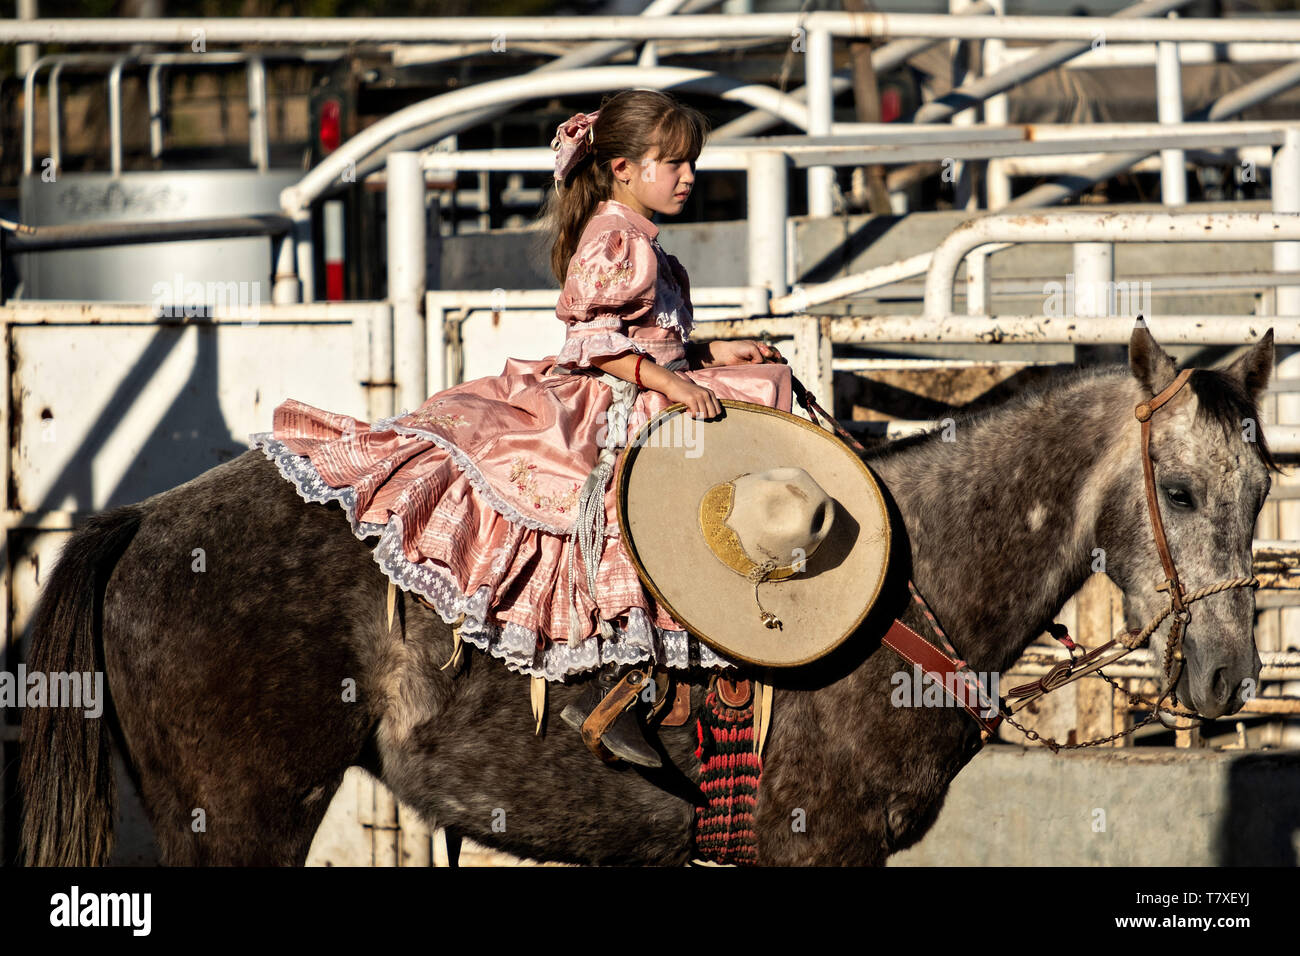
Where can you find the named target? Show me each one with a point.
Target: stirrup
(609, 727)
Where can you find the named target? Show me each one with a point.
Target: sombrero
(760, 532)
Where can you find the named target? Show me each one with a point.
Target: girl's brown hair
(632, 124)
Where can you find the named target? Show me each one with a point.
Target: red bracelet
(639, 358)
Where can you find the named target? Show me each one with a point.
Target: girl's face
(655, 184)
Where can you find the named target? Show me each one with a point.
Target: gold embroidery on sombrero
(715, 509)
(425, 417)
(521, 473)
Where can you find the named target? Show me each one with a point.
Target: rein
(924, 654)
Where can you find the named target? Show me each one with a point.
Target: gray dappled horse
(226, 686)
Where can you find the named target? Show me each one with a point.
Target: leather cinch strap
(915, 649)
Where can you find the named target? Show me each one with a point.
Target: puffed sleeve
(610, 283)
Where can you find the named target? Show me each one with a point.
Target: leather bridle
(1144, 411)
(943, 667)
(1179, 599)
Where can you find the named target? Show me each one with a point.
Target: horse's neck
(1002, 520)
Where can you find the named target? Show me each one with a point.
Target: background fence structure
(111, 402)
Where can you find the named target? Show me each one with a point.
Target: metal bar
(55, 312)
(1045, 59)
(1264, 88)
(1209, 282)
(405, 30)
(1095, 227)
(89, 235)
(818, 66)
(285, 289)
(304, 256)
(838, 154)
(1286, 202)
(1169, 109)
(1066, 330)
(29, 95)
(590, 53)
(115, 115)
(767, 218)
(1282, 439)
(1231, 104)
(326, 174)
(56, 124)
(407, 230)
(889, 57)
(936, 143)
(1094, 270)
(154, 84)
(259, 148)
(1116, 55)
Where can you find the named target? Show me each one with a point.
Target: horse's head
(1211, 467)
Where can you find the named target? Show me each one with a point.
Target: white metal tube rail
(883, 60)
(1095, 227)
(904, 144)
(954, 329)
(586, 55)
(359, 30)
(299, 196)
(981, 88)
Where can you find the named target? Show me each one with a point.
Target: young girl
(493, 499)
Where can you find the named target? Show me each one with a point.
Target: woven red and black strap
(730, 772)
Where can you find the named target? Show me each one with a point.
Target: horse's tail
(66, 779)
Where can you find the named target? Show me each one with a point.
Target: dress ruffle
(641, 633)
(579, 350)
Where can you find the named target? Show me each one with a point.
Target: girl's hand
(700, 401)
(745, 352)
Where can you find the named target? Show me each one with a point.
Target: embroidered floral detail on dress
(521, 473)
(425, 417)
(601, 279)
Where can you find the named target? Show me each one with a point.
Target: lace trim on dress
(670, 307)
(516, 645)
(309, 484)
(581, 349)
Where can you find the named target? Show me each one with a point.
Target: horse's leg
(235, 629)
(459, 746)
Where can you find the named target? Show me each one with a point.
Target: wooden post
(1095, 715)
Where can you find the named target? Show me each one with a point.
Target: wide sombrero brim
(660, 482)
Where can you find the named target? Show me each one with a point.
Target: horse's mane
(1221, 399)
(1057, 381)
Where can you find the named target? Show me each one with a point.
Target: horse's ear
(1255, 367)
(1147, 360)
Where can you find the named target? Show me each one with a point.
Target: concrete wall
(1149, 806)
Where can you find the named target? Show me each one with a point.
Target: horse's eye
(1178, 497)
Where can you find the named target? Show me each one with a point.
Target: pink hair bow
(573, 139)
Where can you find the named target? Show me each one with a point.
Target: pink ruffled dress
(474, 495)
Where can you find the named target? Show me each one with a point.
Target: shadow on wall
(1261, 821)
